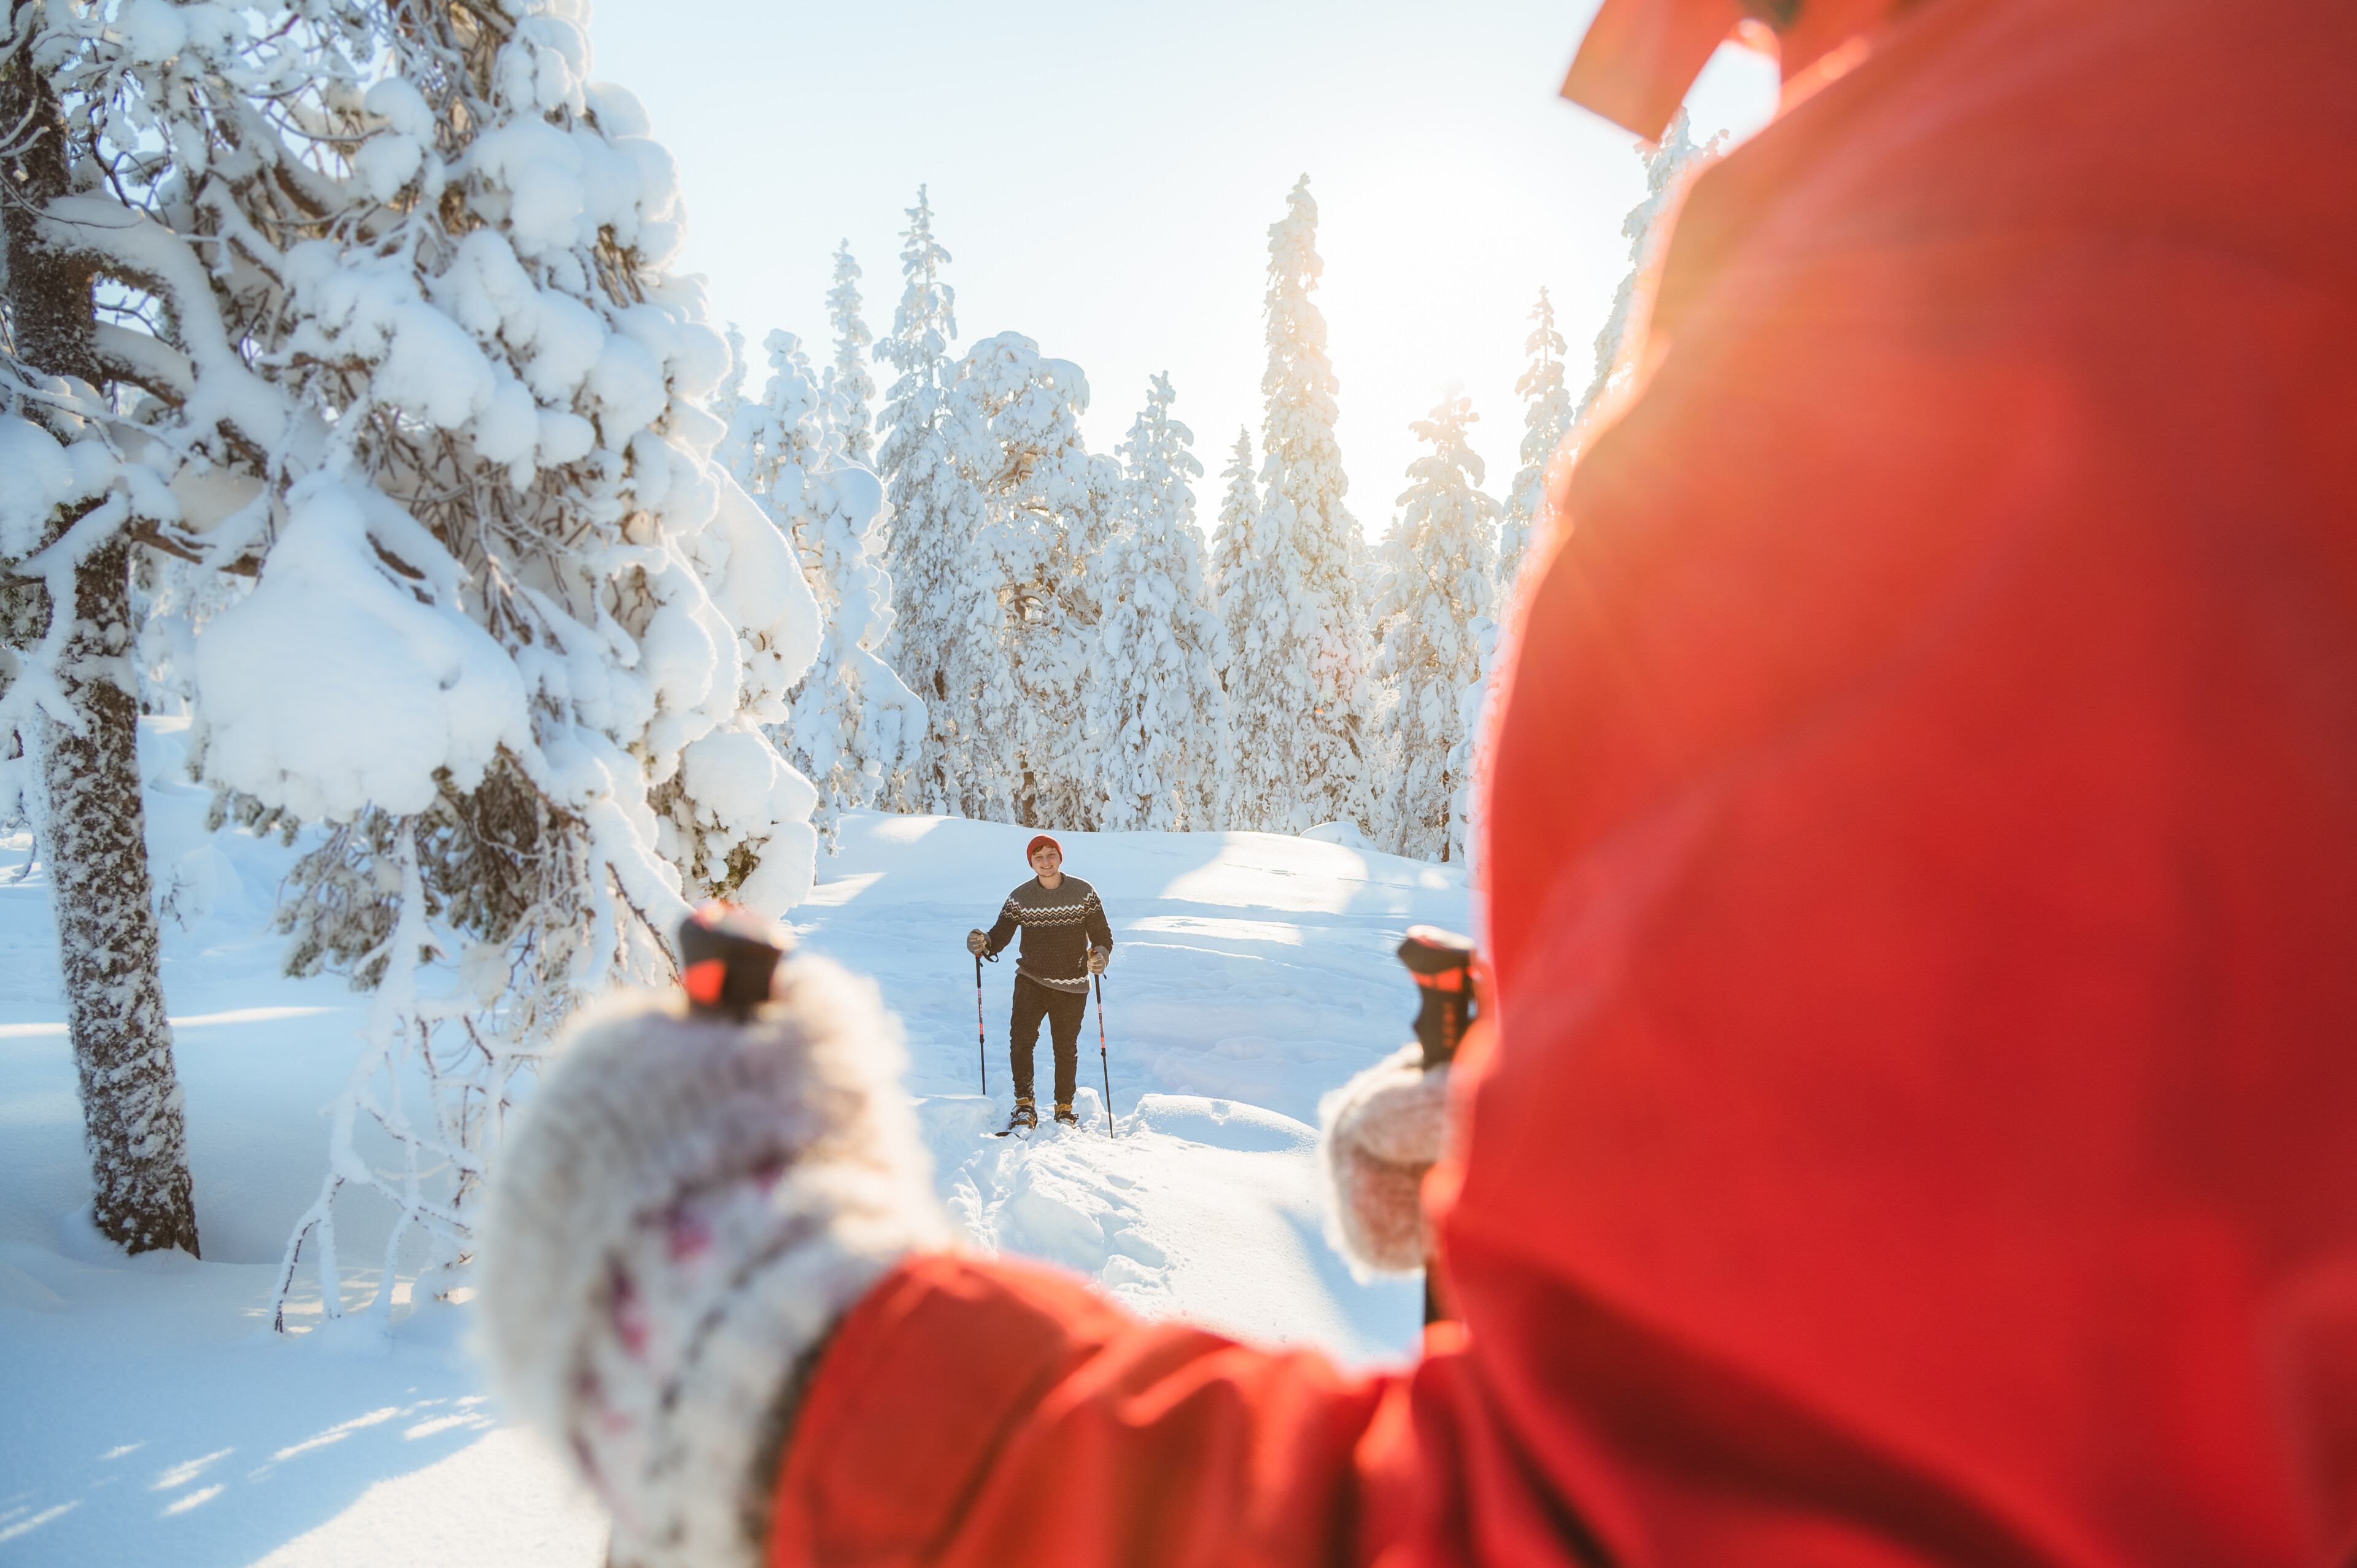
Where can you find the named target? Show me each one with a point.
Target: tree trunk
(132, 1121)
(107, 937)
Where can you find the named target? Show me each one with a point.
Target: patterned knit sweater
(1058, 926)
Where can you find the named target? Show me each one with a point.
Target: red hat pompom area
(1033, 847)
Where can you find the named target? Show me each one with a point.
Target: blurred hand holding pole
(1442, 965)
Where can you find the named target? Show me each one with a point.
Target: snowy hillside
(152, 1415)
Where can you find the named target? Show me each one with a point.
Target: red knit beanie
(1033, 847)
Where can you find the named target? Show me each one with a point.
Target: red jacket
(1921, 1126)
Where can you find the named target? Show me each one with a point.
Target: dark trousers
(1063, 1010)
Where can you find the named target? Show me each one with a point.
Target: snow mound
(1347, 834)
(1220, 1124)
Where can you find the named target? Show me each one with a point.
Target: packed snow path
(152, 1415)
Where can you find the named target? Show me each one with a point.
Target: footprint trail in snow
(1251, 973)
(1199, 1208)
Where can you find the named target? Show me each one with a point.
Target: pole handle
(1442, 965)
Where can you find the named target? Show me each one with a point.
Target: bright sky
(1104, 175)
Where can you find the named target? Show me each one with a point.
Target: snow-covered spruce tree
(1438, 598)
(1016, 678)
(1231, 546)
(1547, 420)
(68, 707)
(513, 640)
(936, 512)
(1469, 759)
(1062, 752)
(774, 440)
(859, 725)
(854, 729)
(1295, 687)
(1157, 717)
(1671, 166)
(730, 396)
(853, 385)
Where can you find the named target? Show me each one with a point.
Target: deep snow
(151, 1415)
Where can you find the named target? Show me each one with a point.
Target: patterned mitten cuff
(689, 1205)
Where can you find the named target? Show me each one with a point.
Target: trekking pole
(981, 1047)
(1101, 1061)
(1442, 965)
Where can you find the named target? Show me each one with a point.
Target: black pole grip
(729, 959)
(1442, 963)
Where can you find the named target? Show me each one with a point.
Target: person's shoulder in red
(2122, 223)
(1924, 828)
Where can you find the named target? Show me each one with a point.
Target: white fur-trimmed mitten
(1382, 1131)
(691, 1202)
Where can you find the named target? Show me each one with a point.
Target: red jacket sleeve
(978, 1412)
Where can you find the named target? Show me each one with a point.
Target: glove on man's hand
(1098, 958)
(977, 942)
(1382, 1131)
(685, 1209)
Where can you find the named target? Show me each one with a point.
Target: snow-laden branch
(135, 248)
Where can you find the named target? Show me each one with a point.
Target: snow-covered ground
(148, 1413)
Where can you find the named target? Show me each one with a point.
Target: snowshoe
(1023, 1120)
(1064, 1113)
